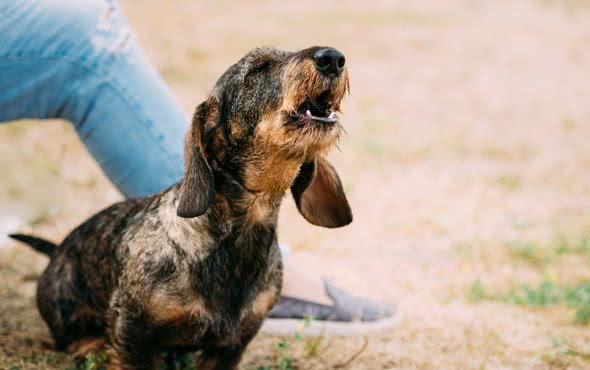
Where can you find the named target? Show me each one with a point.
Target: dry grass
(468, 128)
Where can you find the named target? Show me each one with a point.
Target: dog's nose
(329, 61)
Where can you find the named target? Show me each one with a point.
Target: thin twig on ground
(354, 356)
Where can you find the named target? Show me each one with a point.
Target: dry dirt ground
(466, 162)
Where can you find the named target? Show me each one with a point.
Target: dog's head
(268, 121)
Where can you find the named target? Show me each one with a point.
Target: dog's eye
(261, 67)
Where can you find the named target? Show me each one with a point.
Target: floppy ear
(197, 189)
(319, 195)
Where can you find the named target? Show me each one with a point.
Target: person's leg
(81, 62)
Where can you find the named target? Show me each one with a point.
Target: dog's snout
(329, 61)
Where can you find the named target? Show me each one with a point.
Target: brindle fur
(196, 267)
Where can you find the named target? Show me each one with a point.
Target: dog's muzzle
(329, 63)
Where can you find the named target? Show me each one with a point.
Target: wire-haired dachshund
(197, 267)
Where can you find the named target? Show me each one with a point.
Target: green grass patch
(545, 294)
(562, 354)
(477, 292)
(98, 361)
(541, 255)
(40, 359)
(582, 246)
(532, 252)
(284, 353)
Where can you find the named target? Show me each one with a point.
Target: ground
(466, 162)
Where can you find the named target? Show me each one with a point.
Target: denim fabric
(79, 61)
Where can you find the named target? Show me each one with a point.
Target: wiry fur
(197, 267)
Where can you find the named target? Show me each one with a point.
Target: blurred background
(466, 162)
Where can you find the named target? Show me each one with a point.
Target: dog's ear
(319, 195)
(197, 189)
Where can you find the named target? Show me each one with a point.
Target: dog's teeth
(332, 115)
(308, 113)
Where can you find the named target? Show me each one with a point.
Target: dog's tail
(38, 244)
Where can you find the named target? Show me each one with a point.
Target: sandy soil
(468, 128)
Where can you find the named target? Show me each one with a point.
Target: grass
(532, 253)
(477, 292)
(92, 362)
(101, 361)
(285, 360)
(562, 355)
(285, 357)
(542, 255)
(40, 359)
(547, 293)
(284, 354)
(290, 352)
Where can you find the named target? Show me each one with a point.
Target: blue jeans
(80, 61)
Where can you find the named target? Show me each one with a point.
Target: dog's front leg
(220, 358)
(228, 357)
(132, 342)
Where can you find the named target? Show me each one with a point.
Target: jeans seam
(103, 77)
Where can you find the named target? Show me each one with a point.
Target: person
(80, 61)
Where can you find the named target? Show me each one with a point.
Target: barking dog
(196, 267)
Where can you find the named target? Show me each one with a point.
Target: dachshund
(197, 267)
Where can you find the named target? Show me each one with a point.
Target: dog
(197, 266)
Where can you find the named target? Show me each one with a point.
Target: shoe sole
(314, 328)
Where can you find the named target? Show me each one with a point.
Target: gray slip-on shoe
(349, 315)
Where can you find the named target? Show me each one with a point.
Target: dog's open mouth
(317, 110)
